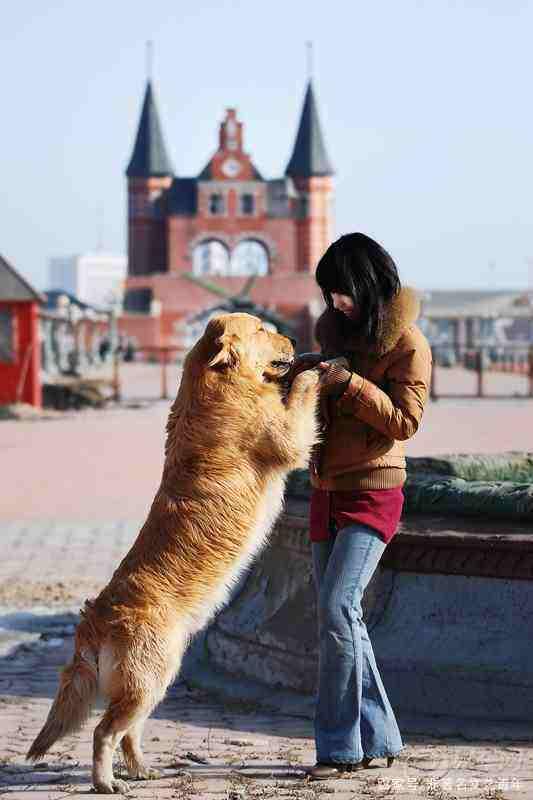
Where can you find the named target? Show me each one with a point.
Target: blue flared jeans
(354, 718)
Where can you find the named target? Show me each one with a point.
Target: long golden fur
(233, 434)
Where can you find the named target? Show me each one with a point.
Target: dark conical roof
(150, 157)
(309, 156)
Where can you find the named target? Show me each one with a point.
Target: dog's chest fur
(266, 512)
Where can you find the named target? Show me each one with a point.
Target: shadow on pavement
(41, 644)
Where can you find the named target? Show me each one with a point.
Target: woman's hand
(335, 378)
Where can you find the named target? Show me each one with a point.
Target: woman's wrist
(354, 387)
(335, 379)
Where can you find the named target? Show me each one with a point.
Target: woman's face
(344, 303)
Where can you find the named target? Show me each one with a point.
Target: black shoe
(325, 770)
(366, 761)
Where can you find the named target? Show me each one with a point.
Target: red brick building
(20, 355)
(224, 225)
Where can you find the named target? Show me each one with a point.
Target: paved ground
(106, 465)
(207, 749)
(459, 381)
(57, 564)
(75, 490)
(45, 573)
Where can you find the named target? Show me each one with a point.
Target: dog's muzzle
(282, 364)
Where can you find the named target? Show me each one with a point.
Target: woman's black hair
(359, 267)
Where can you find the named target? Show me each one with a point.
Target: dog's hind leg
(133, 757)
(118, 720)
(135, 676)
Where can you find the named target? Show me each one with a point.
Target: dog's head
(241, 344)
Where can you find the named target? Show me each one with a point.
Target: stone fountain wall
(449, 610)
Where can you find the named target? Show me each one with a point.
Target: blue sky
(426, 109)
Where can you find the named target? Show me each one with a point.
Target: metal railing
(159, 354)
(458, 371)
(485, 371)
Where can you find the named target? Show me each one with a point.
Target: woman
(368, 407)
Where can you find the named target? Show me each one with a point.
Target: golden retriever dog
(234, 432)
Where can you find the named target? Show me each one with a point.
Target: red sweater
(380, 509)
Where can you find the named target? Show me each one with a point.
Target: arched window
(249, 258)
(210, 258)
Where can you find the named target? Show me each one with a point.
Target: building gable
(230, 162)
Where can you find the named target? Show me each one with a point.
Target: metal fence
(458, 372)
(152, 373)
(485, 371)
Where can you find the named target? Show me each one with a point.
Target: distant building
(20, 356)
(473, 318)
(94, 278)
(225, 224)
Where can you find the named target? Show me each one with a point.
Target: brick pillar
(315, 222)
(145, 233)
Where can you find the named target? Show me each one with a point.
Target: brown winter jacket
(383, 404)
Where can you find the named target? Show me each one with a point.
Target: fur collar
(400, 314)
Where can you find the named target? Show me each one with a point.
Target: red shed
(20, 357)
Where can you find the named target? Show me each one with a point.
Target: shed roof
(482, 303)
(14, 287)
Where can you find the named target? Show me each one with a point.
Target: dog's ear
(227, 354)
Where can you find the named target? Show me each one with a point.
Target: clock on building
(231, 167)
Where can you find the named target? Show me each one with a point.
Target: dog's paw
(146, 774)
(116, 786)
(306, 380)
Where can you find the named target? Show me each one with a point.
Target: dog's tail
(73, 703)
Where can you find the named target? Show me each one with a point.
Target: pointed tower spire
(309, 157)
(150, 157)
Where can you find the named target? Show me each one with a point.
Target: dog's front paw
(306, 380)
